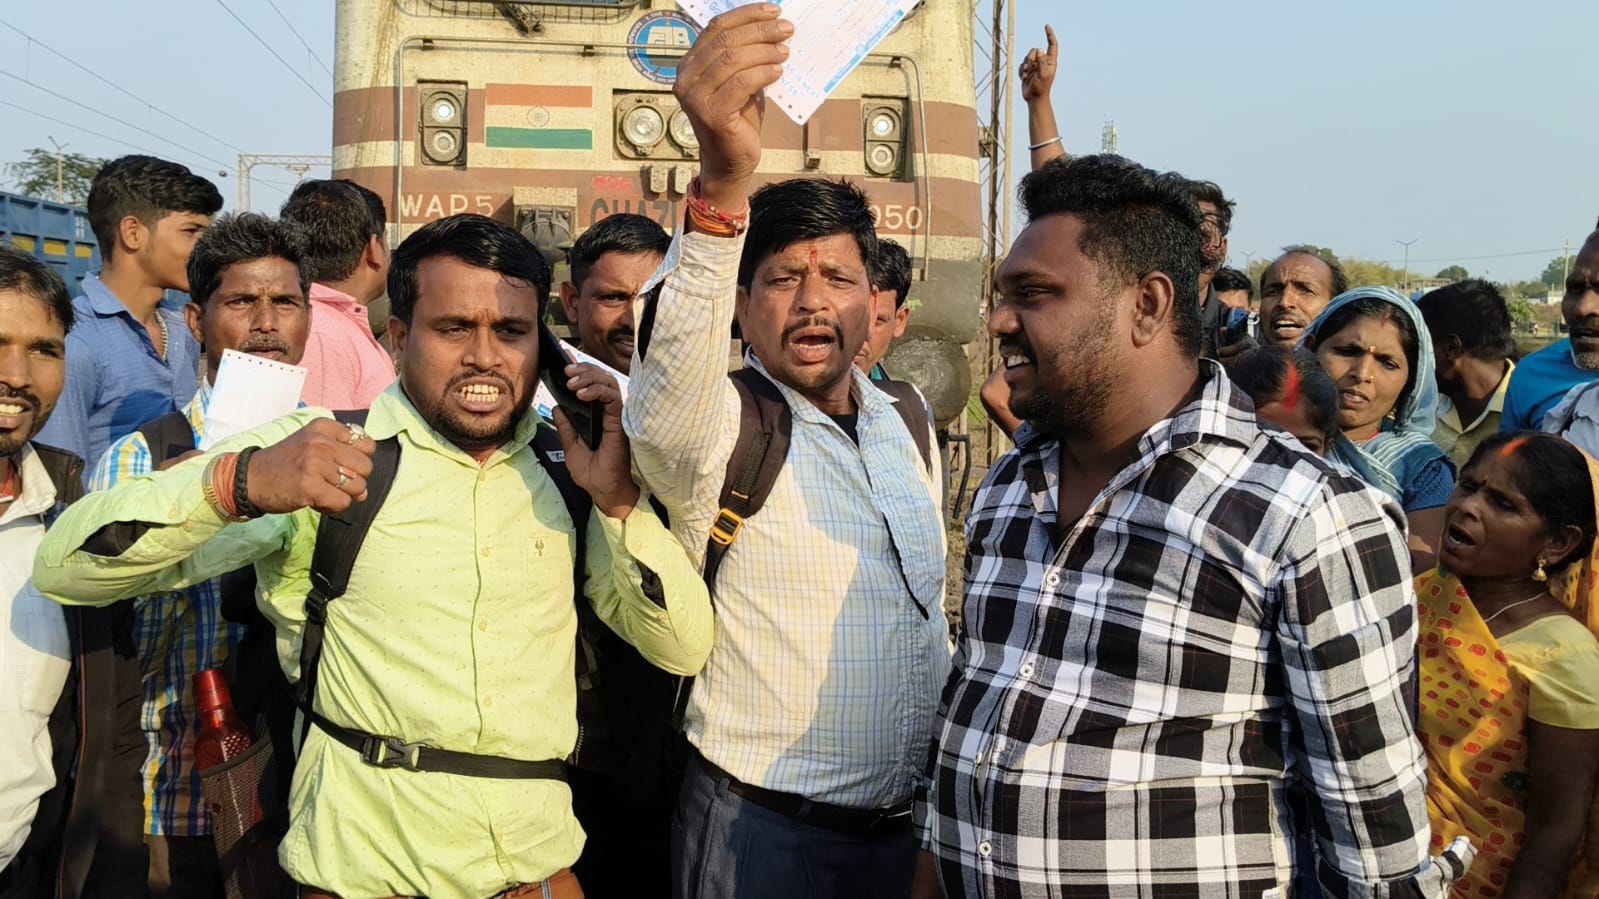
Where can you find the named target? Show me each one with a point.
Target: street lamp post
(1406, 244)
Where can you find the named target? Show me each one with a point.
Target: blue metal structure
(54, 232)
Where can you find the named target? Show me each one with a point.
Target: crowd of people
(1303, 608)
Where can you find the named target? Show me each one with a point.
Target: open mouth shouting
(481, 395)
(813, 341)
(1286, 328)
(1457, 537)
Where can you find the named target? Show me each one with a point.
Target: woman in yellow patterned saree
(1510, 670)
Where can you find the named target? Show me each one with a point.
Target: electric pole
(61, 179)
(1406, 244)
(299, 165)
(1566, 269)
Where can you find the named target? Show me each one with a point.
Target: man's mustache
(264, 343)
(18, 393)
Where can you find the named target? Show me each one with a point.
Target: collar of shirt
(1449, 415)
(38, 494)
(327, 298)
(1218, 411)
(868, 399)
(393, 413)
(198, 407)
(101, 299)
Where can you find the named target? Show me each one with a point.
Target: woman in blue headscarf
(1373, 343)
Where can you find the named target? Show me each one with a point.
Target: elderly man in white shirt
(35, 313)
(815, 711)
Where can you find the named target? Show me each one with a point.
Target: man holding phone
(454, 665)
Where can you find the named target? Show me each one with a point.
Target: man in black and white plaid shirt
(1185, 637)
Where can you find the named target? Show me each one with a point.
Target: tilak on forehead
(814, 257)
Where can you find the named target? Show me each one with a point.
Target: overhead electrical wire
(131, 95)
(262, 41)
(296, 32)
(117, 87)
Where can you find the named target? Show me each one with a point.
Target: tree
(1454, 273)
(1554, 274)
(36, 175)
(1520, 314)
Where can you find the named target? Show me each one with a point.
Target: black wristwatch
(241, 480)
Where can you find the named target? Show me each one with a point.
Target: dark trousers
(628, 851)
(726, 847)
(184, 868)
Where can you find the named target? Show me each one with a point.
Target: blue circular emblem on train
(661, 39)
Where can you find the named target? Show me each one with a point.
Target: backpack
(766, 424)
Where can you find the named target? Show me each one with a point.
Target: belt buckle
(886, 819)
(390, 752)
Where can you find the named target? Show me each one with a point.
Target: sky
(1457, 124)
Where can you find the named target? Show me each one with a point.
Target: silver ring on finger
(344, 477)
(356, 432)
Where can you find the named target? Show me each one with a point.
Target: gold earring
(1539, 574)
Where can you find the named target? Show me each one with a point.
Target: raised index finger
(1049, 33)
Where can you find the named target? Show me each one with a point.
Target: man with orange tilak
(815, 708)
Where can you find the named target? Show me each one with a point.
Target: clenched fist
(322, 466)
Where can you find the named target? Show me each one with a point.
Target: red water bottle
(223, 737)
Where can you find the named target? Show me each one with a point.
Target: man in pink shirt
(348, 262)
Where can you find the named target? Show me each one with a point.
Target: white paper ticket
(831, 37)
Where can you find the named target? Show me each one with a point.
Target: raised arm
(682, 412)
(1038, 77)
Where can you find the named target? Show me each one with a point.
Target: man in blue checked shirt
(1186, 639)
(250, 296)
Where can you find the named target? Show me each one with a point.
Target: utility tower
(996, 86)
(1107, 138)
(299, 165)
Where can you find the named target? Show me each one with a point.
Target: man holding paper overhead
(816, 707)
(249, 296)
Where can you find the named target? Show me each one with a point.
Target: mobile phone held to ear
(587, 417)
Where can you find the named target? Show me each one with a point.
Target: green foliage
(35, 175)
(1521, 313)
(1527, 289)
(1554, 274)
(1454, 273)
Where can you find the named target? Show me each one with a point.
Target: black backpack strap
(338, 542)
(912, 410)
(764, 427)
(168, 437)
(552, 455)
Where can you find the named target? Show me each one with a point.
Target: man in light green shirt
(458, 628)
